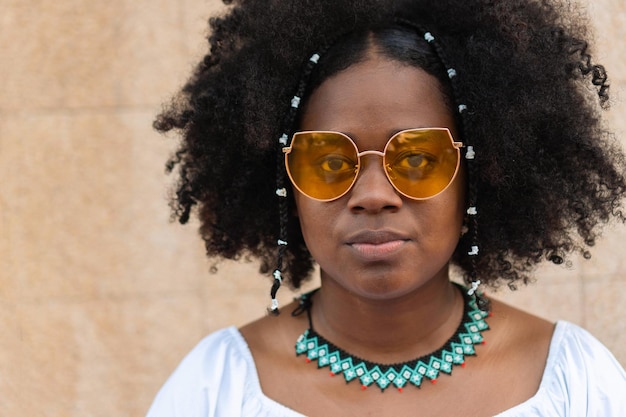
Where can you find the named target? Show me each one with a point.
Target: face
(373, 241)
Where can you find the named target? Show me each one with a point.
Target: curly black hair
(547, 173)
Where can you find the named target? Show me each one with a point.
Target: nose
(372, 192)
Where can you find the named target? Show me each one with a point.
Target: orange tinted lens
(322, 165)
(421, 163)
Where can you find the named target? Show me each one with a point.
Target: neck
(391, 329)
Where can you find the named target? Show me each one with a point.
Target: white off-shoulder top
(218, 378)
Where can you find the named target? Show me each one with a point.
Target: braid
(471, 278)
(281, 190)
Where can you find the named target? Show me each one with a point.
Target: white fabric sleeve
(217, 379)
(208, 370)
(596, 382)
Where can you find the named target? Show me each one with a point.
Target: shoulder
(262, 335)
(566, 347)
(221, 362)
(581, 378)
(219, 377)
(519, 339)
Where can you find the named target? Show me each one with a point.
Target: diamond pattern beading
(461, 344)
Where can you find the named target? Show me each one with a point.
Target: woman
(414, 137)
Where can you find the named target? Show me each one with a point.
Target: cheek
(452, 207)
(309, 217)
(317, 222)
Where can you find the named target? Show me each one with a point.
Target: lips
(376, 244)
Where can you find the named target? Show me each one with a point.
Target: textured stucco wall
(100, 296)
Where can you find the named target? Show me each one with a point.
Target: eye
(335, 164)
(414, 159)
(414, 163)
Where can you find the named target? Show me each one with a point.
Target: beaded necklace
(453, 352)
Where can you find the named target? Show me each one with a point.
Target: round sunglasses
(419, 163)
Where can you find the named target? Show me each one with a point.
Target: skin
(386, 294)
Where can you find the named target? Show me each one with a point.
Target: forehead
(377, 97)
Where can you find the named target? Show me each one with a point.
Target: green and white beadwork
(462, 343)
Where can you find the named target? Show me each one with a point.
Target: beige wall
(100, 296)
